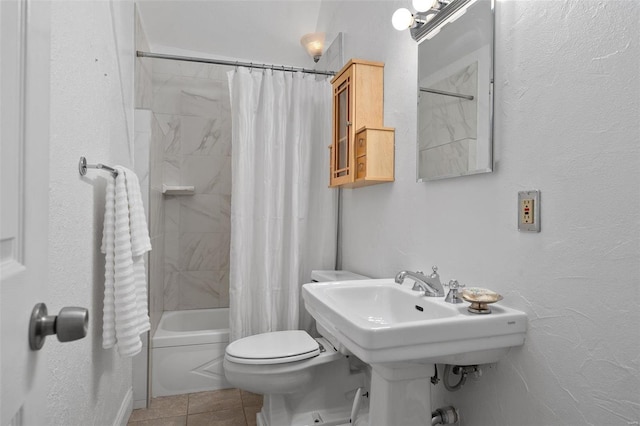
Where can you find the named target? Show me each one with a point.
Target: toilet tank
(326, 276)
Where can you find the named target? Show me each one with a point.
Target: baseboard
(125, 409)
(140, 404)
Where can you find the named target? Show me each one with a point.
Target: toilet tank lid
(326, 276)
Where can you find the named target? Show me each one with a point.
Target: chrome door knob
(70, 324)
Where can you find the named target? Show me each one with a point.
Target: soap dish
(480, 299)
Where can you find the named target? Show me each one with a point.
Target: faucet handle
(453, 296)
(454, 285)
(434, 272)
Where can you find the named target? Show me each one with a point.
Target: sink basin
(382, 322)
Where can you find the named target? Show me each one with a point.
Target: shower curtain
(283, 215)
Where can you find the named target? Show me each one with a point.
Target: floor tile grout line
(186, 415)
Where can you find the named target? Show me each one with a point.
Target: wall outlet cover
(529, 211)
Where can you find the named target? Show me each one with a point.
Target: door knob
(70, 324)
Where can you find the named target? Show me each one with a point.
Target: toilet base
(334, 417)
(328, 398)
(324, 417)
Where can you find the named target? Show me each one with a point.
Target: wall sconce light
(313, 43)
(430, 16)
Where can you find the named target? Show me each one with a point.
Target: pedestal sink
(403, 334)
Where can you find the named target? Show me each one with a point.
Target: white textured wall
(91, 115)
(567, 123)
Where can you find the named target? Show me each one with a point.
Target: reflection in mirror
(455, 94)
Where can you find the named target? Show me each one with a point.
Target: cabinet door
(342, 131)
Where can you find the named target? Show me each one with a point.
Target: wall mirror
(455, 91)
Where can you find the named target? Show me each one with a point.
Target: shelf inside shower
(178, 189)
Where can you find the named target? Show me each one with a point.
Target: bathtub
(187, 351)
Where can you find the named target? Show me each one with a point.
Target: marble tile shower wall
(191, 105)
(156, 223)
(148, 158)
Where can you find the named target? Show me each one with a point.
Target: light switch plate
(529, 211)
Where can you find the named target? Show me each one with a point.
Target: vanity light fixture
(430, 16)
(314, 44)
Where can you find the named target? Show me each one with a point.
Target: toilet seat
(277, 347)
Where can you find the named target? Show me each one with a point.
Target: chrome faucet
(454, 296)
(430, 284)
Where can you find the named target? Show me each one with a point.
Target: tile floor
(227, 407)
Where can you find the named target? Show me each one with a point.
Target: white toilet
(305, 381)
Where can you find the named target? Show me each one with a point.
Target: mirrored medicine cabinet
(455, 91)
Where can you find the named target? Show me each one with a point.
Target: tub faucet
(429, 284)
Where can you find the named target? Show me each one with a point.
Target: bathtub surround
(191, 106)
(92, 115)
(148, 167)
(281, 212)
(156, 219)
(566, 122)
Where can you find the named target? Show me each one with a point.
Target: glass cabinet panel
(342, 148)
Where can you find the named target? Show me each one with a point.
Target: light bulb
(313, 43)
(424, 5)
(402, 19)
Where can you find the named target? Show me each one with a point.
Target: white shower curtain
(283, 215)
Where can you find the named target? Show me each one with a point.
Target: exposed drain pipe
(463, 371)
(444, 416)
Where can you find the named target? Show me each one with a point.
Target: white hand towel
(125, 241)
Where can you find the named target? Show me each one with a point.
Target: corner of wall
(122, 418)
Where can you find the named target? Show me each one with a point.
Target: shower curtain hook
(236, 66)
(250, 67)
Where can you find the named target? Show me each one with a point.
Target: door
(24, 162)
(342, 131)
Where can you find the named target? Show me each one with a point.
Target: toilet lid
(273, 348)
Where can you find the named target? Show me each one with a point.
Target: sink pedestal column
(400, 394)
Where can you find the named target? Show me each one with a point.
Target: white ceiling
(262, 31)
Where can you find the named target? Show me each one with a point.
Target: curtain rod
(141, 54)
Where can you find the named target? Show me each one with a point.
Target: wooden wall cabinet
(358, 95)
(374, 156)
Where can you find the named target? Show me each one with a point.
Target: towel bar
(83, 166)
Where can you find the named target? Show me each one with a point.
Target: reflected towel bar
(83, 166)
(442, 92)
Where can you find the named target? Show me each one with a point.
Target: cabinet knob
(360, 166)
(361, 141)
(348, 123)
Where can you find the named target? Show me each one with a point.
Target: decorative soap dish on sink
(480, 299)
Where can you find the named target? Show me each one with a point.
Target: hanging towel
(125, 240)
